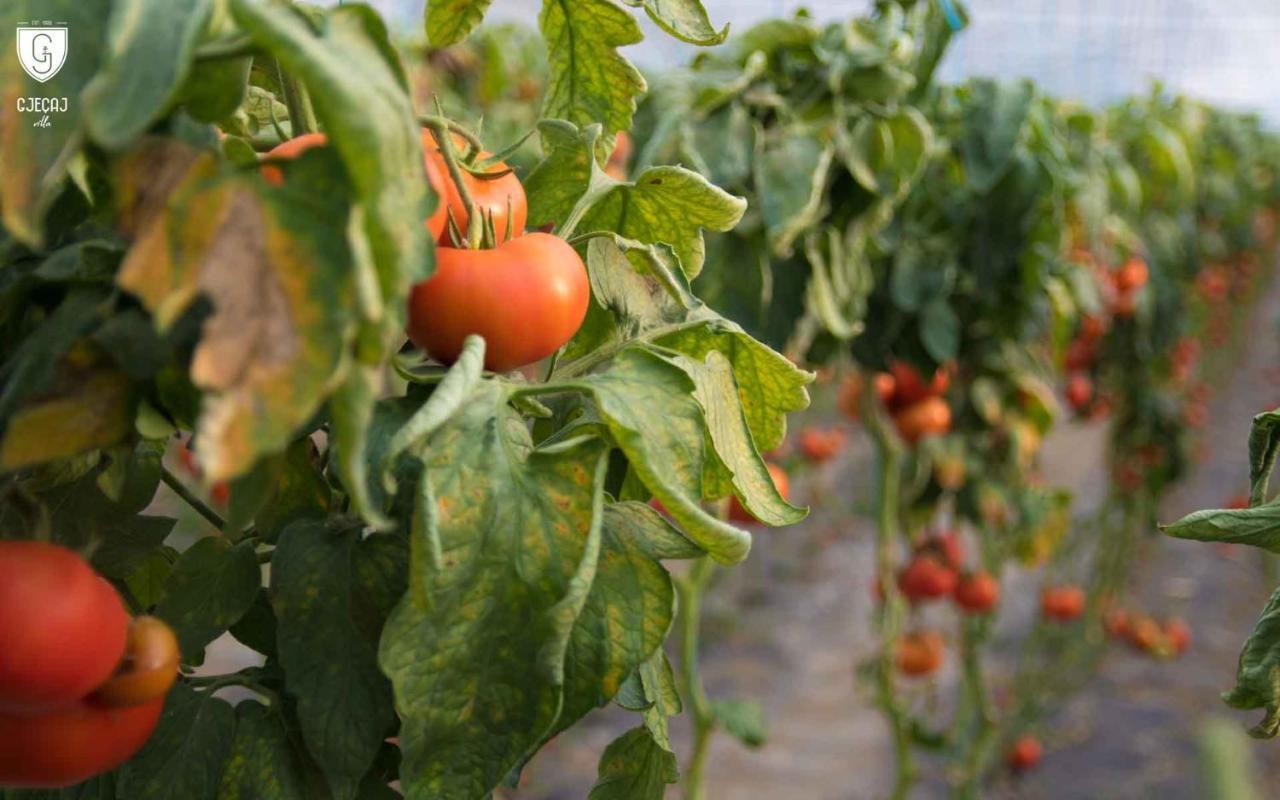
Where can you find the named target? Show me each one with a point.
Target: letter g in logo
(42, 51)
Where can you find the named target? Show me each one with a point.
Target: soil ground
(789, 626)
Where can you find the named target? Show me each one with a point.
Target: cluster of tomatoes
(918, 408)
(936, 570)
(1081, 355)
(526, 295)
(1168, 639)
(81, 684)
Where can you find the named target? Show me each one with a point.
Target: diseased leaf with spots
(449, 21)
(211, 586)
(686, 20)
(634, 767)
(262, 764)
(1258, 674)
(185, 757)
(326, 590)
(476, 648)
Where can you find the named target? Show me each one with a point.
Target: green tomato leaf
(210, 588)
(262, 764)
(669, 205)
(296, 489)
(186, 755)
(127, 545)
(743, 720)
(326, 592)
(257, 628)
(887, 154)
(92, 412)
(791, 170)
(686, 20)
(149, 50)
(36, 159)
(476, 649)
(449, 21)
(352, 65)
(147, 580)
(1264, 445)
(1258, 526)
(1258, 675)
(589, 81)
(629, 610)
(634, 767)
(994, 118)
(276, 266)
(940, 330)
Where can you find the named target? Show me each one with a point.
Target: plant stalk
(689, 613)
(198, 505)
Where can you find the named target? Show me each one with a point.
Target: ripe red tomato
(977, 593)
(739, 514)
(928, 417)
(1116, 623)
(62, 627)
(149, 668)
(70, 745)
(946, 546)
(1092, 327)
(819, 445)
(919, 653)
(1062, 603)
(1025, 753)
(910, 388)
(1132, 275)
(926, 578)
(526, 297)
(1079, 390)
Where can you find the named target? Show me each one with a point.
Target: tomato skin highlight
(63, 627)
(527, 298)
(737, 513)
(71, 745)
(149, 668)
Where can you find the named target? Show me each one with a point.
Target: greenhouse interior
(639, 399)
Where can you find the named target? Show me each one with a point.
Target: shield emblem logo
(42, 51)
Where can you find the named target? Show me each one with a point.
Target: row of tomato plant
(957, 253)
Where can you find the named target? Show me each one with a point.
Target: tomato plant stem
(889, 456)
(181, 490)
(690, 589)
(302, 117)
(441, 129)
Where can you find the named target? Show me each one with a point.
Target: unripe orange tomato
(1062, 603)
(926, 578)
(780, 481)
(149, 668)
(928, 417)
(818, 445)
(62, 627)
(1025, 753)
(526, 297)
(919, 653)
(1145, 634)
(977, 593)
(1132, 275)
(72, 744)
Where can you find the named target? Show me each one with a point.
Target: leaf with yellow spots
(331, 591)
(275, 265)
(262, 764)
(500, 570)
(629, 611)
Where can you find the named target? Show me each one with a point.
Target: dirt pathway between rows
(789, 627)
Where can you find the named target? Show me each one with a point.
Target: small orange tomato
(977, 593)
(819, 445)
(926, 578)
(928, 417)
(1178, 634)
(1024, 754)
(1062, 603)
(1132, 275)
(919, 653)
(149, 668)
